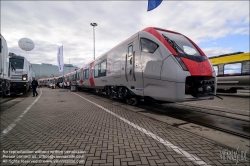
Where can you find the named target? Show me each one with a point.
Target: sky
(217, 27)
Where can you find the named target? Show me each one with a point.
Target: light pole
(94, 25)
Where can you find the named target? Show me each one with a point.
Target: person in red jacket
(34, 84)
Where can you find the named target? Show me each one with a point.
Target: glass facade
(48, 70)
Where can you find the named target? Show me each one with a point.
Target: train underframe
(4, 87)
(198, 87)
(19, 87)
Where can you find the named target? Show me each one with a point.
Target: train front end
(20, 74)
(187, 66)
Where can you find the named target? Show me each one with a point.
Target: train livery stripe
(152, 135)
(160, 38)
(91, 79)
(198, 68)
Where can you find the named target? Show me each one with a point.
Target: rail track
(4, 100)
(233, 123)
(204, 117)
(10, 101)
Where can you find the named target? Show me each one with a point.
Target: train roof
(13, 55)
(130, 38)
(2, 37)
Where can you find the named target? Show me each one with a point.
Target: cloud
(55, 23)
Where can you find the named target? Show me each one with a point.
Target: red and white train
(153, 64)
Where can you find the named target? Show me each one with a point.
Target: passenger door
(129, 66)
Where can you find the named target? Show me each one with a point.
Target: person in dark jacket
(34, 84)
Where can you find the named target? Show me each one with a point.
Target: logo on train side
(201, 67)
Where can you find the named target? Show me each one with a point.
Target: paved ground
(99, 133)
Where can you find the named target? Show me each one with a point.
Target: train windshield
(180, 44)
(16, 63)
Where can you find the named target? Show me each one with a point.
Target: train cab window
(148, 46)
(96, 68)
(234, 68)
(216, 70)
(180, 43)
(189, 50)
(17, 63)
(130, 50)
(246, 67)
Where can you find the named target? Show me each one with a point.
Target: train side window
(130, 50)
(103, 66)
(73, 77)
(96, 70)
(0, 45)
(233, 68)
(148, 46)
(246, 67)
(83, 75)
(87, 74)
(78, 76)
(216, 70)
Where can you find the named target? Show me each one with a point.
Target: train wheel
(135, 101)
(129, 101)
(233, 90)
(108, 91)
(132, 101)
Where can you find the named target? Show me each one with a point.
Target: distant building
(45, 70)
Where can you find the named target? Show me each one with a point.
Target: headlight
(24, 77)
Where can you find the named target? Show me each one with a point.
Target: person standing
(34, 84)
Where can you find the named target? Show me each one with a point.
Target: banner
(152, 4)
(60, 58)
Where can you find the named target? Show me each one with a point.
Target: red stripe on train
(91, 79)
(198, 68)
(160, 37)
